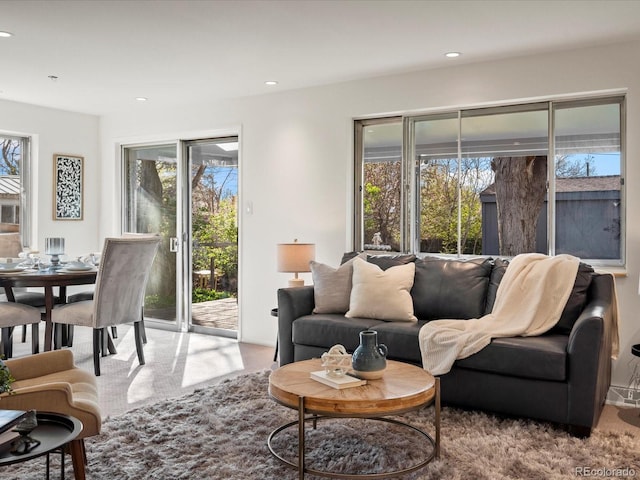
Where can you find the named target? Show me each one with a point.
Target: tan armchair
(50, 382)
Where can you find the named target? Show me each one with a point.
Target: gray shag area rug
(220, 432)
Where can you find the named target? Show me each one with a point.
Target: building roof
(577, 184)
(9, 185)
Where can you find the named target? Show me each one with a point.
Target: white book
(346, 381)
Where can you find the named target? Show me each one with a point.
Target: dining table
(48, 279)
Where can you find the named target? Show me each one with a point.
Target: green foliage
(216, 238)
(381, 202)
(206, 295)
(6, 379)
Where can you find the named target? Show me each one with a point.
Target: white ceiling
(106, 53)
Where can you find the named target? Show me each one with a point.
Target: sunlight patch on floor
(209, 358)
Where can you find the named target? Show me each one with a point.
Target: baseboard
(623, 397)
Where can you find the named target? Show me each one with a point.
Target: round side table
(54, 431)
(635, 350)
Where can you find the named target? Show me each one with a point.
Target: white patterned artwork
(68, 187)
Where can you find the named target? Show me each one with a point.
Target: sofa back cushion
(577, 300)
(499, 267)
(450, 288)
(383, 261)
(573, 308)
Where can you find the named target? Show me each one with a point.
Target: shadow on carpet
(220, 432)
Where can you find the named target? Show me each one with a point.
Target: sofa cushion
(577, 300)
(543, 357)
(449, 289)
(575, 304)
(401, 339)
(379, 294)
(332, 286)
(388, 261)
(326, 330)
(497, 272)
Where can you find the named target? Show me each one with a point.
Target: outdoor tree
(381, 202)
(10, 161)
(521, 185)
(439, 191)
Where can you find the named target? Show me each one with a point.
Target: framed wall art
(68, 188)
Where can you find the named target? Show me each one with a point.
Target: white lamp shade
(295, 257)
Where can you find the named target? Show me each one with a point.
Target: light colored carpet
(220, 432)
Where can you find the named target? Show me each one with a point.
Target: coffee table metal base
(302, 420)
(430, 441)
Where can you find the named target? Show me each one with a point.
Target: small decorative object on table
(25, 443)
(55, 248)
(336, 361)
(369, 358)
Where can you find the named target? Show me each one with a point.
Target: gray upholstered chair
(13, 315)
(119, 294)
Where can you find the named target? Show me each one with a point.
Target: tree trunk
(521, 185)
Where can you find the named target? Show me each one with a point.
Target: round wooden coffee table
(402, 388)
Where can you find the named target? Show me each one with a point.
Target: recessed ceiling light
(271, 82)
(142, 99)
(6, 34)
(452, 54)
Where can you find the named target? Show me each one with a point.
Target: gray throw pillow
(332, 286)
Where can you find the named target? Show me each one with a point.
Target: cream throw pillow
(332, 286)
(382, 294)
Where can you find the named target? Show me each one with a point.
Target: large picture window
(543, 177)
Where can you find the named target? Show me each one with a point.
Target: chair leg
(104, 342)
(142, 330)
(24, 333)
(69, 335)
(57, 335)
(139, 347)
(114, 331)
(35, 338)
(7, 342)
(97, 347)
(78, 458)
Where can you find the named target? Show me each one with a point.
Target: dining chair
(28, 297)
(16, 314)
(119, 294)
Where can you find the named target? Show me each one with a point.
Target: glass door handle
(173, 244)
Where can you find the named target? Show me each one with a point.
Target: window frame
(410, 197)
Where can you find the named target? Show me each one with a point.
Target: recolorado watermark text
(627, 472)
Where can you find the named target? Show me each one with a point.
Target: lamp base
(296, 282)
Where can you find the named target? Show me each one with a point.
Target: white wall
(297, 154)
(57, 131)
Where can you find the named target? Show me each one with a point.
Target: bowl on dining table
(77, 266)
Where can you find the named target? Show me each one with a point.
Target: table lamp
(294, 258)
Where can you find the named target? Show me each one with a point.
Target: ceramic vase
(369, 359)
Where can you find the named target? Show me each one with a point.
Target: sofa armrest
(589, 353)
(39, 365)
(292, 303)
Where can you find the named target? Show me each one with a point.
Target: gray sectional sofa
(561, 376)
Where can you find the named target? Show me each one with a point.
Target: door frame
(183, 281)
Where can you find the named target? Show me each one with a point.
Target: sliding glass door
(213, 186)
(187, 191)
(150, 206)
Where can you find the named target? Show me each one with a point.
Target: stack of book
(345, 381)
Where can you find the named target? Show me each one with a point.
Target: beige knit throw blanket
(529, 301)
